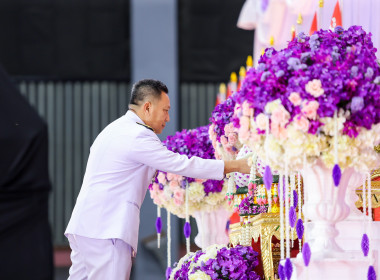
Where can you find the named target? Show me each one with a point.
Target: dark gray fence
(75, 113)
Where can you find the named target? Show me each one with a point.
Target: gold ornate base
(264, 226)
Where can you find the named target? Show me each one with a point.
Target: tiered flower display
(218, 262)
(168, 190)
(222, 132)
(286, 106)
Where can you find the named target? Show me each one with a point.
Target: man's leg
(104, 258)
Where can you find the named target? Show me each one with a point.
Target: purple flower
(232, 263)
(194, 142)
(365, 244)
(345, 63)
(222, 115)
(306, 254)
(357, 104)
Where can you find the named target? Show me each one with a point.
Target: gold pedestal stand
(265, 226)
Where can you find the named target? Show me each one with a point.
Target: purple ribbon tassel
(168, 272)
(365, 244)
(281, 272)
(288, 269)
(295, 198)
(306, 254)
(337, 174)
(371, 275)
(158, 224)
(299, 229)
(292, 216)
(268, 178)
(187, 229)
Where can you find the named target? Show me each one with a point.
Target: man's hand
(240, 166)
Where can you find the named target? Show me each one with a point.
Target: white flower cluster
(291, 143)
(171, 196)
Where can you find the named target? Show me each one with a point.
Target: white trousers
(99, 259)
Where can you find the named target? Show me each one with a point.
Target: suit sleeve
(149, 150)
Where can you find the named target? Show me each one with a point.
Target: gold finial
(242, 72)
(222, 88)
(271, 41)
(377, 148)
(262, 51)
(299, 19)
(249, 62)
(233, 77)
(321, 3)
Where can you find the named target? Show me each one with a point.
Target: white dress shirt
(123, 159)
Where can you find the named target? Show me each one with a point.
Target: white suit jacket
(122, 161)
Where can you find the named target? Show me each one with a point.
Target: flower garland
(217, 262)
(297, 91)
(169, 190)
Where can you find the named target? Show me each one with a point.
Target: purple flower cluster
(247, 207)
(233, 263)
(183, 272)
(194, 142)
(230, 263)
(221, 116)
(343, 61)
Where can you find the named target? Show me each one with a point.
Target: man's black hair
(145, 88)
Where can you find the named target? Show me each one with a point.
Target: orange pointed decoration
(314, 25)
(336, 19)
(293, 32)
(221, 96)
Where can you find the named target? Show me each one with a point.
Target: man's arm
(240, 166)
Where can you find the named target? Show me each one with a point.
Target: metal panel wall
(75, 113)
(197, 101)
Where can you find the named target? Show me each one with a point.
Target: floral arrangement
(168, 190)
(319, 98)
(248, 207)
(222, 132)
(217, 262)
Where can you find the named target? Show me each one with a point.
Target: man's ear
(147, 107)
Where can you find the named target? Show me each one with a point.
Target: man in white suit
(103, 229)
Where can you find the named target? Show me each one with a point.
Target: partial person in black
(25, 238)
